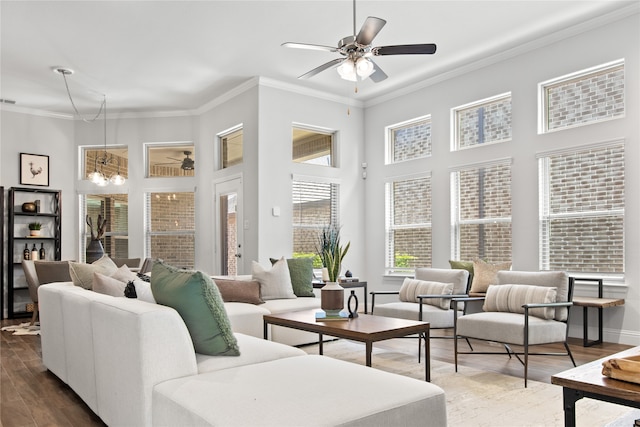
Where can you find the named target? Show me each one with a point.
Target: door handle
(238, 255)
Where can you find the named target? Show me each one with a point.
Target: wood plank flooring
(30, 395)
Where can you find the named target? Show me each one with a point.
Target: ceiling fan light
(364, 67)
(347, 70)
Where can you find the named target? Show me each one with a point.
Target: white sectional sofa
(134, 364)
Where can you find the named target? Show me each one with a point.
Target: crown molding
(35, 112)
(456, 71)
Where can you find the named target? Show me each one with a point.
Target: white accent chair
(520, 315)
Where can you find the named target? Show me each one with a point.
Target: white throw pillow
(511, 298)
(411, 288)
(108, 285)
(275, 283)
(143, 291)
(124, 274)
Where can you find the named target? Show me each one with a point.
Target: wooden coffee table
(587, 381)
(365, 328)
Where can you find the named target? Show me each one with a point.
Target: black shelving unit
(50, 215)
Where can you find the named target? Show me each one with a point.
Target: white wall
(520, 76)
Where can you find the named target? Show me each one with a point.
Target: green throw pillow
(301, 273)
(197, 299)
(464, 265)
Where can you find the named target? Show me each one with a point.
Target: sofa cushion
(510, 298)
(52, 271)
(275, 283)
(301, 273)
(411, 288)
(484, 274)
(195, 297)
(247, 291)
(82, 274)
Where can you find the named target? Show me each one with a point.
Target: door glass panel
(229, 234)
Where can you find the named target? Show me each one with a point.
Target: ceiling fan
(357, 52)
(187, 163)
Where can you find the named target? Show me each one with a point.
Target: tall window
(313, 147)
(170, 160)
(483, 122)
(231, 146)
(315, 205)
(583, 97)
(408, 216)
(409, 140)
(582, 210)
(170, 228)
(115, 209)
(481, 212)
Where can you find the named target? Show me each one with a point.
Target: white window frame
(326, 131)
(544, 194)
(456, 222)
(543, 114)
(390, 141)
(454, 121)
(390, 225)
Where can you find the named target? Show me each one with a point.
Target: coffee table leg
(569, 399)
(320, 341)
(369, 347)
(427, 357)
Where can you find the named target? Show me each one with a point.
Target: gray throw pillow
(197, 299)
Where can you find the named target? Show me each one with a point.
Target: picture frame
(34, 169)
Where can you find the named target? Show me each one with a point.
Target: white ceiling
(167, 56)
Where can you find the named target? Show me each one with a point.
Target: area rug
(482, 399)
(23, 329)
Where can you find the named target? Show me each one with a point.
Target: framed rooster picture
(34, 169)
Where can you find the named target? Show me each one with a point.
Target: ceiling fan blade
(321, 68)
(309, 46)
(405, 49)
(173, 158)
(369, 30)
(378, 75)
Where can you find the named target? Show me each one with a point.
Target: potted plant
(331, 253)
(34, 228)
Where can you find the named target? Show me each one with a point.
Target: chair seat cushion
(509, 328)
(436, 317)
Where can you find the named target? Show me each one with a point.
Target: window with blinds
(315, 205)
(408, 230)
(409, 140)
(231, 147)
(313, 147)
(170, 228)
(583, 97)
(582, 209)
(481, 212)
(113, 207)
(482, 122)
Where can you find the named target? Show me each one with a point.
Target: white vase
(34, 232)
(332, 298)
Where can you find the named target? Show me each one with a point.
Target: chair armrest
(374, 293)
(547, 304)
(466, 298)
(442, 296)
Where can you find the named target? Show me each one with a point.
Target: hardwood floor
(30, 395)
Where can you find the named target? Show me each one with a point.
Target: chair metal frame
(509, 351)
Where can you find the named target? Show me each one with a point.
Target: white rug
(483, 399)
(23, 329)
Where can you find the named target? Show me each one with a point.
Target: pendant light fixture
(98, 176)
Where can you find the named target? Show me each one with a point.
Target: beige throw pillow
(511, 298)
(484, 275)
(411, 288)
(108, 285)
(82, 274)
(275, 283)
